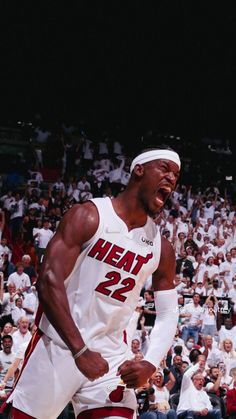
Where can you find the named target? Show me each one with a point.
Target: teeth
(166, 189)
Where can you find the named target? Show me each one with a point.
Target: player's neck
(129, 211)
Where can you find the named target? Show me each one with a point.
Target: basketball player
(93, 271)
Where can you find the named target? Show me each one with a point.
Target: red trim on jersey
(38, 314)
(125, 337)
(18, 414)
(101, 412)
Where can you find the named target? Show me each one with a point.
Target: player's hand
(92, 365)
(135, 373)
(203, 412)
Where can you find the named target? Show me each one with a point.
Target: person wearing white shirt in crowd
(217, 289)
(200, 288)
(7, 200)
(17, 310)
(59, 186)
(182, 284)
(183, 225)
(228, 331)
(73, 192)
(207, 242)
(212, 229)
(209, 316)
(86, 194)
(7, 301)
(228, 354)
(20, 279)
(220, 247)
(211, 351)
(206, 253)
(16, 217)
(211, 268)
(226, 379)
(30, 304)
(7, 356)
(171, 225)
(192, 313)
(22, 333)
(83, 183)
(44, 235)
(4, 249)
(226, 270)
(209, 209)
(194, 402)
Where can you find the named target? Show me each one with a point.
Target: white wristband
(78, 354)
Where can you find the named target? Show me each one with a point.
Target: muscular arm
(77, 226)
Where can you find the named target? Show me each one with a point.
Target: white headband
(156, 155)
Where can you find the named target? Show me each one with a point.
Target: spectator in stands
(228, 354)
(44, 235)
(8, 329)
(16, 215)
(17, 310)
(215, 387)
(210, 350)
(6, 358)
(84, 184)
(86, 195)
(149, 309)
(228, 331)
(184, 265)
(4, 249)
(177, 371)
(159, 401)
(142, 395)
(20, 279)
(194, 403)
(192, 312)
(28, 268)
(209, 316)
(22, 333)
(30, 304)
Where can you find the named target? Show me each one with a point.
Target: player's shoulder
(82, 218)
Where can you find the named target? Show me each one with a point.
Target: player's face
(158, 182)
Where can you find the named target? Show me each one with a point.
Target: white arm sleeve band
(164, 329)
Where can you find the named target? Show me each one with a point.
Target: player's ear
(138, 169)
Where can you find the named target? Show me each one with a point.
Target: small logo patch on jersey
(147, 241)
(117, 394)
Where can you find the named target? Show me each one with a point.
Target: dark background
(168, 65)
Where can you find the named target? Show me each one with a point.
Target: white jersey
(104, 286)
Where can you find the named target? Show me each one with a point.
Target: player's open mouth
(162, 194)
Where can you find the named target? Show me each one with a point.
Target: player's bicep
(163, 277)
(77, 226)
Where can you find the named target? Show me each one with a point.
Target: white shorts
(50, 380)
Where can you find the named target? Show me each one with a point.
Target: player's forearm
(164, 330)
(52, 296)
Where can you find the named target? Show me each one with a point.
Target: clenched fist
(92, 365)
(135, 373)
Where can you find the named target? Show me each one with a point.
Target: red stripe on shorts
(101, 412)
(18, 414)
